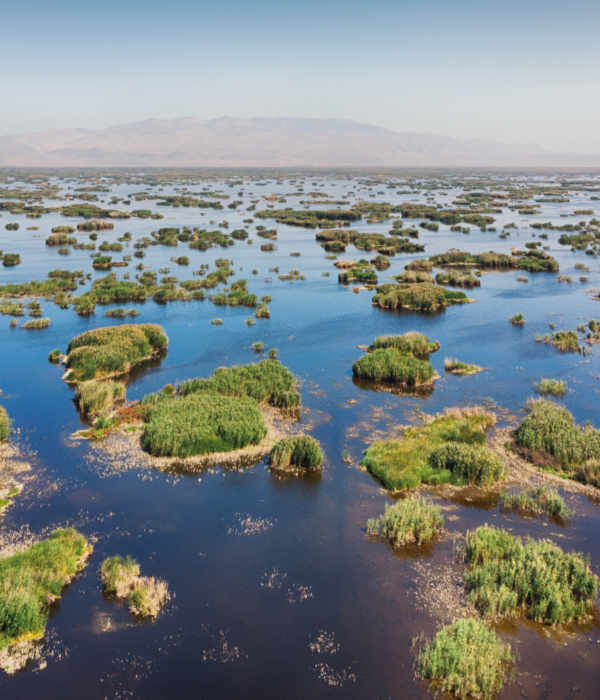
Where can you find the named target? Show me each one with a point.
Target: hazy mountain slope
(230, 141)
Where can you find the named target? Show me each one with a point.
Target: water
(247, 607)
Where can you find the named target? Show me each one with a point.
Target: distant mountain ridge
(273, 142)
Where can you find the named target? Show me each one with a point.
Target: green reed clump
(11, 259)
(12, 308)
(517, 320)
(540, 499)
(32, 579)
(358, 274)
(509, 577)
(298, 451)
(96, 396)
(36, 324)
(406, 463)
(551, 428)
(468, 463)
(458, 279)
(112, 350)
(456, 367)
(389, 365)
(267, 381)
(413, 520)
(551, 387)
(146, 595)
(410, 343)
(4, 424)
(465, 658)
(420, 296)
(201, 423)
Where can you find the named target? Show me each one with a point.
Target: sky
(517, 72)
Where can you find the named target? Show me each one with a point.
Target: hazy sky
(520, 72)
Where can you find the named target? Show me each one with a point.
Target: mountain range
(272, 142)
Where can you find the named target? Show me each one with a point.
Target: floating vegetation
(449, 449)
(551, 387)
(31, 580)
(146, 595)
(460, 368)
(531, 260)
(362, 273)
(509, 577)
(112, 351)
(413, 520)
(37, 324)
(465, 658)
(517, 320)
(4, 424)
(121, 313)
(540, 499)
(298, 452)
(12, 308)
(414, 277)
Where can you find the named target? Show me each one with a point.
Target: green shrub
(112, 350)
(32, 579)
(465, 658)
(4, 424)
(405, 463)
(267, 381)
(412, 520)
(551, 428)
(389, 365)
(468, 463)
(509, 577)
(300, 451)
(201, 423)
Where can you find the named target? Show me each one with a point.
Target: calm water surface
(247, 607)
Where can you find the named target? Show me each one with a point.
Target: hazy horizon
(519, 73)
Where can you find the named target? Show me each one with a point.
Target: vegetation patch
(413, 520)
(121, 577)
(460, 368)
(417, 457)
(421, 297)
(508, 577)
(111, 351)
(465, 658)
(32, 579)
(202, 423)
(94, 396)
(298, 452)
(410, 343)
(551, 387)
(457, 279)
(390, 365)
(4, 424)
(539, 499)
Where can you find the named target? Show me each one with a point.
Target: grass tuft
(410, 521)
(299, 451)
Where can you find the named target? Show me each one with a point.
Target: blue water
(224, 634)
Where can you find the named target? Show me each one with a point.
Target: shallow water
(248, 605)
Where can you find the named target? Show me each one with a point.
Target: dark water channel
(250, 600)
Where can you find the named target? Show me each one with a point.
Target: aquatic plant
(96, 396)
(112, 350)
(36, 324)
(298, 451)
(267, 381)
(457, 279)
(404, 464)
(4, 424)
(517, 320)
(509, 577)
(413, 520)
(31, 579)
(422, 297)
(465, 658)
(551, 429)
(389, 365)
(11, 259)
(146, 595)
(202, 422)
(453, 365)
(540, 499)
(414, 277)
(551, 387)
(468, 463)
(410, 343)
(12, 308)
